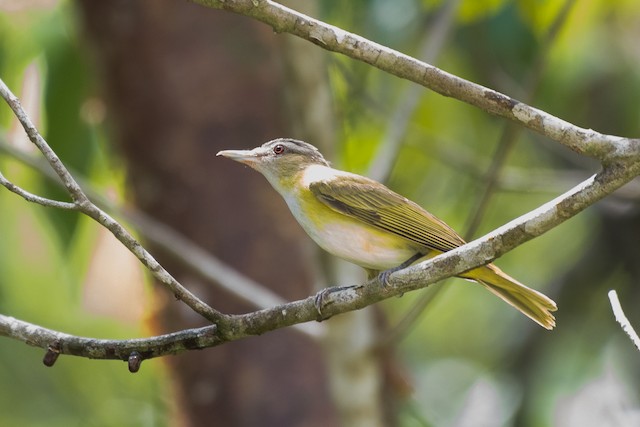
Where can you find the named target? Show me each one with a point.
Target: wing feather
(375, 204)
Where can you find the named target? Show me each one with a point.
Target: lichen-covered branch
(471, 255)
(93, 348)
(171, 241)
(619, 157)
(284, 20)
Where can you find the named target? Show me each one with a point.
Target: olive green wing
(373, 203)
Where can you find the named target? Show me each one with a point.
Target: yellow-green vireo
(362, 221)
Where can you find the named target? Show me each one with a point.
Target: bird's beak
(247, 157)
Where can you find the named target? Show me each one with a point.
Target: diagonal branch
(174, 243)
(471, 255)
(622, 318)
(284, 20)
(34, 198)
(84, 205)
(511, 131)
(618, 155)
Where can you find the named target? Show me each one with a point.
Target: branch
(618, 155)
(33, 198)
(491, 178)
(511, 131)
(466, 257)
(528, 226)
(82, 203)
(185, 251)
(471, 255)
(93, 348)
(284, 20)
(622, 318)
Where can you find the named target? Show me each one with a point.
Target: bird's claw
(384, 277)
(319, 300)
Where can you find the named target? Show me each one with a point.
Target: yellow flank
(349, 238)
(346, 237)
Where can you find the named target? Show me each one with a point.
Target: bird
(364, 222)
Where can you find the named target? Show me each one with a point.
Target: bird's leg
(383, 277)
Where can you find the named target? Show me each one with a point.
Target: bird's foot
(319, 300)
(385, 275)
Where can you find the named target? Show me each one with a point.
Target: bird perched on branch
(362, 221)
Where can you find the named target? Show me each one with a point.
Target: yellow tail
(530, 302)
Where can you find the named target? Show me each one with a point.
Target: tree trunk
(182, 82)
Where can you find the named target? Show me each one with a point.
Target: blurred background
(136, 97)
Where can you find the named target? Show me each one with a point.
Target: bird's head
(278, 160)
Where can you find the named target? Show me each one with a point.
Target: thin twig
(184, 250)
(85, 206)
(515, 178)
(618, 156)
(33, 198)
(622, 318)
(419, 276)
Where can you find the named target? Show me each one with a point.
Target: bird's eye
(278, 149)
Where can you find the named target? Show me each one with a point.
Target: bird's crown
(287, 147)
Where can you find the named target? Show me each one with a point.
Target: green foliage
(66, 90)
(587, 79)
(45, 253)
(466, 340)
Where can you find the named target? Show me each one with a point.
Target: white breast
(360, 246)
(348, 239)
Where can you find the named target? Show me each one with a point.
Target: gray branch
(622, 319)
(93, 348)
(34, 198)
(587, 142)
(618, 155)
(84, 205)
(174, 243)
(464, 258)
